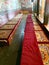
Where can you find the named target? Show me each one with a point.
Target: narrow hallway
(11, 55)
(24, 32)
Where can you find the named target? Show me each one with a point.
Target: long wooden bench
(7, 31)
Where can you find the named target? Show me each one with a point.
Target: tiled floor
(41, 37)
(44, 49)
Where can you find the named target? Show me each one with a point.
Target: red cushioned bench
(30, 51)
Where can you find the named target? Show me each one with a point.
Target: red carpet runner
(30, 51)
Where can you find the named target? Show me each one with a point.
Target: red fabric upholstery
(30, 51)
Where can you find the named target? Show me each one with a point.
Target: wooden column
(46, 14)
(37, 7)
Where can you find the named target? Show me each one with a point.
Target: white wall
(25, 3)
